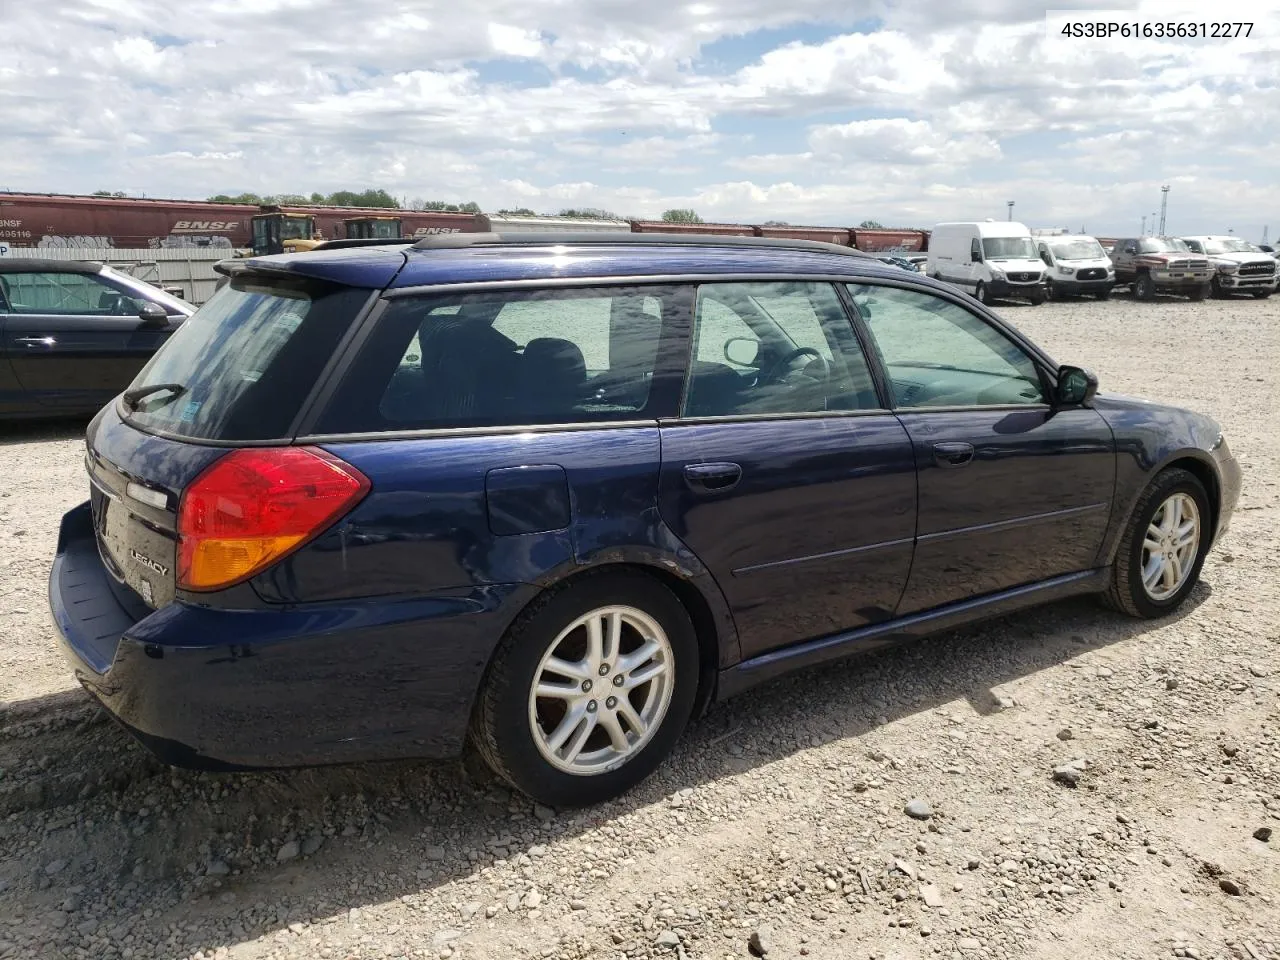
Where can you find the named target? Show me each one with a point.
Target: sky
(907, 112)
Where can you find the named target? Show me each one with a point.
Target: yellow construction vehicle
(373, 228)
(275, 231)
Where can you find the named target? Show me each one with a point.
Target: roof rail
(362, 242)
(457, 241)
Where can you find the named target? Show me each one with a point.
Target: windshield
(295, 228)
(242, 365)
(1083, 249)
(1162, 245)
(1230, 245)
(1008, 248)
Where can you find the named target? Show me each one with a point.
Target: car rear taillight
(254, 506)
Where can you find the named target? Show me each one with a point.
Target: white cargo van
(1075, 264)
(992, 259)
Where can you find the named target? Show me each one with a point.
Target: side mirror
(743, 351)
(1076, 386)
(153, 315)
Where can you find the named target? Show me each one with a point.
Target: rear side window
(512, 358)
(246, 360)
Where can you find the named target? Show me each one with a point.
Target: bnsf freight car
(44, 220)
(52, 220)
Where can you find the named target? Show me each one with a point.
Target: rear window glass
(247, 359)
(508, 358)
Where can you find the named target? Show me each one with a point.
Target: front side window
(507, 358)
(72, 294)
(783, 347)
(938, 354)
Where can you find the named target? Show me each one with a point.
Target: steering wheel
(781, 368)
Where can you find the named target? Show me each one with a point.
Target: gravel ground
(781, 824)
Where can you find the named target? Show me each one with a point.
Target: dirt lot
(781, 816)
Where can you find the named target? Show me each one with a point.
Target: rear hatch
(239, 373)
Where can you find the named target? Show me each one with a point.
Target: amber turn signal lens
(252, 507)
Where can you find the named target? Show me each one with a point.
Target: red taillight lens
(254, 506)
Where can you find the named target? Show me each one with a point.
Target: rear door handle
(952, 454)
(712, 477)
(36, 341)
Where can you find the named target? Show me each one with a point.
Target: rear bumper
(277, 687)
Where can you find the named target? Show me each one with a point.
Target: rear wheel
(1144, 288)
(1160, 555)
(589, 690)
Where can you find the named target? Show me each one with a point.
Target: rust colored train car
(52, 221)
(881, 241)
(838, 235)
(718, 229)
(48, 220)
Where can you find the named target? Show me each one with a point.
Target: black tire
(501, 729)
(1126, 592)
(1037, 300)
(1103, 294)
(1050, 292)
(1144, 288)
(980, 293)
(1262, 294)
(1198, 293)
(1216, 291)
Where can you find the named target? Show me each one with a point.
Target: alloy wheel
(1170, 546)
(601, 690)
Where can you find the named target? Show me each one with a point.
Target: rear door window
(246, 360)
(513, 358)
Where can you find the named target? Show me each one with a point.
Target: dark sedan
(73, 334)
(556, 494)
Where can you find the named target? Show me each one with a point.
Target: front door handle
(952, 454)
(712, 477)
(36, 341)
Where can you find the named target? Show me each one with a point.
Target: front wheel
(1163, 548)
(589, 690)
(1144, 288)
(1104, 294)
(1197, 293)
(1262, 294)
(981, 293)
(1216, 289)
(1037, 299)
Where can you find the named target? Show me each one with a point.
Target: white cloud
(945, 110)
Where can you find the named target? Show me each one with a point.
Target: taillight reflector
(252, 507)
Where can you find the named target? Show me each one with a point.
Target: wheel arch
(1195, 462)
(712, 623)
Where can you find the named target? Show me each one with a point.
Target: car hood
(1241, 258)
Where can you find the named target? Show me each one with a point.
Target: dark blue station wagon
(559, 493)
